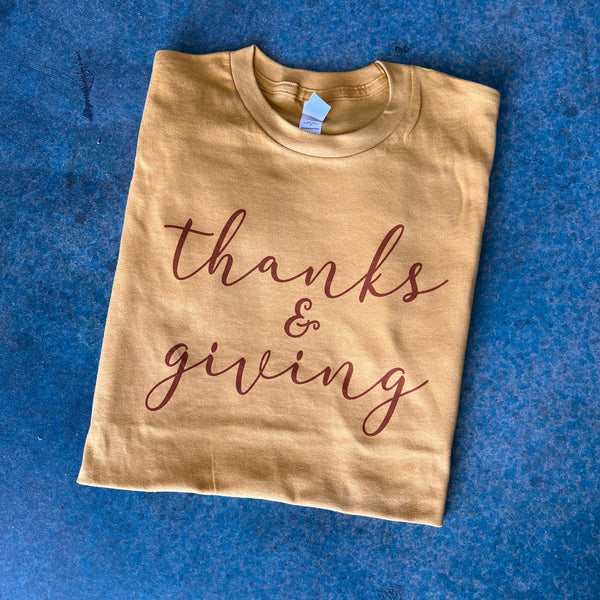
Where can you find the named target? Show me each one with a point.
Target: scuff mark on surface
(71, 168)
(87, 81)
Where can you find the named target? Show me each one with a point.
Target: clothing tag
(316, 107)
(309, 124)
(313, 114)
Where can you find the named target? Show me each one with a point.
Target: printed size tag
(313, 114)
(309, 124)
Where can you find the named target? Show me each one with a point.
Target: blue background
(522, 516)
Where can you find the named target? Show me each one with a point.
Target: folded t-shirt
(292, 298)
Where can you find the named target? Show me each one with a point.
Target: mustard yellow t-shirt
(291, 303)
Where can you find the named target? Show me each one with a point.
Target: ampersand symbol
(302, 305)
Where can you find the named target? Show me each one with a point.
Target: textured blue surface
(523, 512)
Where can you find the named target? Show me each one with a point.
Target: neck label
(313, 114)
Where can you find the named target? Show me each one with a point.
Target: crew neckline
(251, 68)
